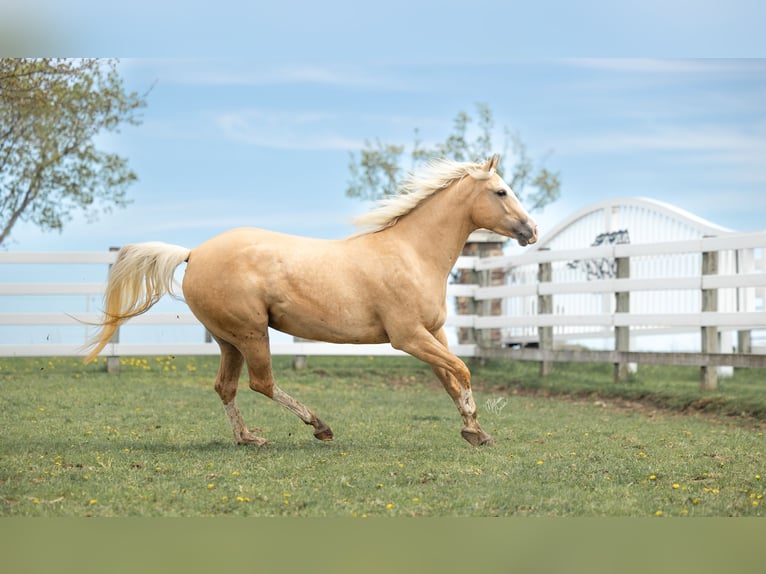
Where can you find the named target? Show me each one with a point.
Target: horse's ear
(492, 163)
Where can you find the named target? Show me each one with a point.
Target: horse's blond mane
(419, 185)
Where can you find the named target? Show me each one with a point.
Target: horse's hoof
(256, 440)
(479, 438)
(323, 434)
(321, 430)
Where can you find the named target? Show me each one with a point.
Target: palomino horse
(385, 284)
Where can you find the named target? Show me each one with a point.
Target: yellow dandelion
(659, 513)
(389, 506)
(210, 486)
(92, 501)
(540, 462)
(652, 477)
(676, 486)
(756, 503)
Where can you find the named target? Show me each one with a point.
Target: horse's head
(498, 209)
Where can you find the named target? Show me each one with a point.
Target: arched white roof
(646, 221)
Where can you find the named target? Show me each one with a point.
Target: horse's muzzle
(526, 234)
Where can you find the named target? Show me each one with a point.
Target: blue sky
(256, 106)
(230, 141)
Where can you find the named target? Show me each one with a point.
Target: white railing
(740, 289)
(741, 319)
(67, 317)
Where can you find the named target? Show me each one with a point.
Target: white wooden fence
(720, 295)
(692, 284)
(729, 301)
(75, 318)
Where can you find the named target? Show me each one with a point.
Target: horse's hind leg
(258, 357)
(226, 384)
(321, 430)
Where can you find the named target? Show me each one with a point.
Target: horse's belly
(333, 326)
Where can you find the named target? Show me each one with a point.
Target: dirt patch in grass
(716, 408)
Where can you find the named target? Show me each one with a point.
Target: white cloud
(285, 130)
(667, 66)
(729, 143)
(232, 72)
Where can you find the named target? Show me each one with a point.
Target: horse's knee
(463, 375)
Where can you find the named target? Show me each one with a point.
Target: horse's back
(240, 258)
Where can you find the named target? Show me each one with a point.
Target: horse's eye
(501, 193)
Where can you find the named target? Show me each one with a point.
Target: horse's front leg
(466, 406)
(432, 348)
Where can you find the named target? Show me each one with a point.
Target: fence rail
(708, 318)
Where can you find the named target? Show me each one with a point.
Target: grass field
(154, 441)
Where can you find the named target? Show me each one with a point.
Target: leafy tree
(378, 171)
(51, 110)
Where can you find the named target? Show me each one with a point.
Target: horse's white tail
(141, 275)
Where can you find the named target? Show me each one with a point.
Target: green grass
(677, 388)
(154, 441)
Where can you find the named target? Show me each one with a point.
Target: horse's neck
(437, 229)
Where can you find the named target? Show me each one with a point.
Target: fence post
(622, 333)
(744, 342)
(300, 362)
(744, 264)
(481, 243)
(709, 334)
(113, 361)
(545, 307)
